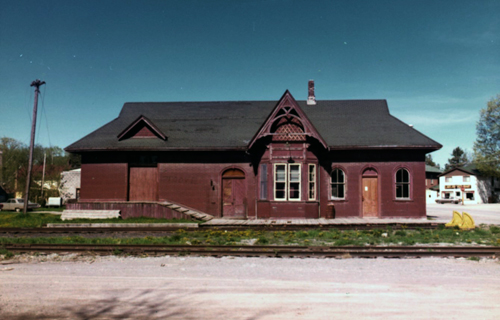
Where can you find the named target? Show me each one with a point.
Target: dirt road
(250, 288)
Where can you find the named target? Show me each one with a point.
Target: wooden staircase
(193, 213)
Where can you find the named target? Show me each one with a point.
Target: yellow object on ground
(456, 221)
(467, 222)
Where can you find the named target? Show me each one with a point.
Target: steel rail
(267, 251)
(203, 228)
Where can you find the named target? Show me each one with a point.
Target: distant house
(432, 183)
(280, 159)
(469, 184)
(70, 185)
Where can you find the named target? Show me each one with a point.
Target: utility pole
(37, 83)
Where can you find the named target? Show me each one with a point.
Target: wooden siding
(388, 206)
(200, 186)
(104, 181)
(195, 180)
(130, 209)
(143, 184)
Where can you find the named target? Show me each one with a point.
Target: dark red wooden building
(257, 160)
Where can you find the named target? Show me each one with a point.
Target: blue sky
(436, 62)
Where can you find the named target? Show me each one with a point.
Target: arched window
(337, 181)
(402, 184)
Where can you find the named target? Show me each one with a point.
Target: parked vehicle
(17, 205)
(449, 200)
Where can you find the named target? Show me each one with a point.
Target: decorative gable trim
(287, 113)
(142, 127)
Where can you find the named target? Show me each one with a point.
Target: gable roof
(287, 108)
(138, 124)
(470, 169)
(432, 169)
(231, 125)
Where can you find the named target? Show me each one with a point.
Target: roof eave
(380, 147)
(132, 149)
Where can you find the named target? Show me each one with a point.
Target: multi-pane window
(312, 182)
(280, 181)
(447, 179)
(402, 184)
(287, 180)
(338, 184)
(263, 181)
(466, 178)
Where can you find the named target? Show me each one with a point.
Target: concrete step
(89, 214)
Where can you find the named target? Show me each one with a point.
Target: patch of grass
(6, 253)
(494, 229)
(28, 220)
(54, 209)
(36, 219)
(474, 258)
(318, 237)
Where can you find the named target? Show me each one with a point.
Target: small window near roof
(402, 184)
(466, 178)
(447, 179)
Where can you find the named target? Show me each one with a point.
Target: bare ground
(73, 287)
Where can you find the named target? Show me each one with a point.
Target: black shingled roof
(343, 124)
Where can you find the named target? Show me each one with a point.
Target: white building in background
(432, 183)
(70, 185)
(468, 184)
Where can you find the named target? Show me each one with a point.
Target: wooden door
(370, 197)
(233, 198)
(143, 184)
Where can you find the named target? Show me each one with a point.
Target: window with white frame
(287, 181)
(402, 184)
(312, 182)
(447, 179)
(337, 182)
(466, 178)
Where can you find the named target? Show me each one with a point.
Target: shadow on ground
(156, 303)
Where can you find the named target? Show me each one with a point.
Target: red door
(370, 197)
(233, 195)
(143, 184)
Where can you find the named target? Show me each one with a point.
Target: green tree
(15, 167)
(458, 159)
(15, 158)
(487, 144)
(430, 162)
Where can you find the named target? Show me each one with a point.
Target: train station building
(281, 159)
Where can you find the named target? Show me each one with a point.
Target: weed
(6, 253)
(400, 233)
(262, 240)
(473, 258)
(494, 229)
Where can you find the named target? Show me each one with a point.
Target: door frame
(233, 174)
(370, 172)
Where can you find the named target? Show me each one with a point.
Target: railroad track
(56, 230)
(263, 251)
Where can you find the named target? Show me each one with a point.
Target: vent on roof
(311, 99)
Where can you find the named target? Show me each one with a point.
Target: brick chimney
(311, 99)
